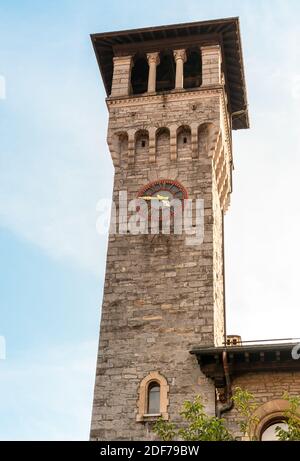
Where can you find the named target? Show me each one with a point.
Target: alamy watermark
(152, 215)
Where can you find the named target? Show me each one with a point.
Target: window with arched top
(203, 138)
(141, 146)
(184, 142)
(153, 406)
(162, 146)
(266, 418)
(153, 398)
(269, 432)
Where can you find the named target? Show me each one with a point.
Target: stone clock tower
(174, 95)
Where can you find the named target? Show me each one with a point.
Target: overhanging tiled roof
(226, 32)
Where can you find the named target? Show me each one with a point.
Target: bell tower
(174, 94)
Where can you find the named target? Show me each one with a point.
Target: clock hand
(158, 197)
(162, 197)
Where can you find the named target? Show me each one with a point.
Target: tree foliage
(246, 405)
(198, 426)
(292, 430)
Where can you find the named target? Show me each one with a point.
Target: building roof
(247, 357)
(225, 32)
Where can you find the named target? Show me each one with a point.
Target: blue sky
(55, 166)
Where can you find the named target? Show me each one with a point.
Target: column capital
(210, 48)
(180, 54)
(153, 58)
(121, 60)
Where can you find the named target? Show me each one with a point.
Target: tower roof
(225, 32)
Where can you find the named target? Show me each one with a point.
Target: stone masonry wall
(266, 387)
(161, 297)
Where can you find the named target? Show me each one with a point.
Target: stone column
(153, 61)
(121, 82)
(180, 58)
(211, 65)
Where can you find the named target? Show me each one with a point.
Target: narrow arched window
(184, 142)
(153, 398)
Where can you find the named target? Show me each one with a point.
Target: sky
(55, 166)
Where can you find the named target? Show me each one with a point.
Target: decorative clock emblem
(160, 193)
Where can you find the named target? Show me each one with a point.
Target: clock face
(159, 194)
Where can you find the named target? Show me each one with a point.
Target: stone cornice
(227, 127)
(145, 98)
(170, 95)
